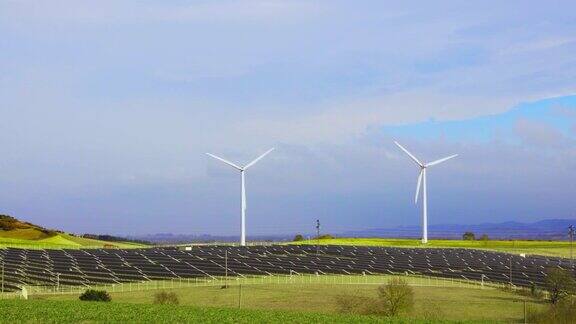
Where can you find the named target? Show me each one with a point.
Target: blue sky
(109, 106)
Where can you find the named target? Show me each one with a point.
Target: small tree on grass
(166, 298)
(396, 297)
(468, 236)
(560, 284)
(95, 295)
(298, 238)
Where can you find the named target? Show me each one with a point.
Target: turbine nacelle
(423, 167)
(239, 168)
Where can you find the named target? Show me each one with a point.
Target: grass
(57, 241)
(24, 234)
(17, 233)
(412, 280)
(550, 248)
(42, 311)
(431, 302)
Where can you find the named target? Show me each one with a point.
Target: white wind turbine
(422, 178)
(242, 170)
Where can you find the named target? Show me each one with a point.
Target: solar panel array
(99, 266)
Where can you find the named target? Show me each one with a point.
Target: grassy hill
(551, 248)
(11, 227)
(17, 233)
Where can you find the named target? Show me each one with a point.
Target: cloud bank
(108, 108)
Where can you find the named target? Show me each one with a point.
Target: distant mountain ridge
(170, 238)
(548, 229)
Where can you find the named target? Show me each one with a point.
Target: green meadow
(59, 241)
(550, 248)
(305, 302)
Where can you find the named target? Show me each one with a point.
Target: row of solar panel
(89, 267)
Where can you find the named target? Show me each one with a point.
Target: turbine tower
(422, 181)
(242, 170)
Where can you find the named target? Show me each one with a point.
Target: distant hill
(112, 238)
(18, 233)
(169, 238)
(549, 229)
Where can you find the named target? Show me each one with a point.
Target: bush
(298, 238)
(468, 236)
(166, 298)
(95, 295)
(325, 237)
(396, 297)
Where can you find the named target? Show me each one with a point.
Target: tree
(468, 236)
(298, 237)
(396, 297)
(560, 284)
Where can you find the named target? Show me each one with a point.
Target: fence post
(525, 319)
(240, 296)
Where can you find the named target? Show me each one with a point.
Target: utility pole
(226, 266)
(317, 236)
(571, 230)
(2, 277)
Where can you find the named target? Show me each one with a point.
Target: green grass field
(44, 311)
(21, 234)
(551, 248)
(57, 241)
(486, 304)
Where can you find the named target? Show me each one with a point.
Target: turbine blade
(418, 186)
(225, 161)
(258, 159)
(409, 154)
(441, 160)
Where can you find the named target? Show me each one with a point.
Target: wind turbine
(242, 170)
(422, 178)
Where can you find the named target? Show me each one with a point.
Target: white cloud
(345, 121)
(123, 99)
